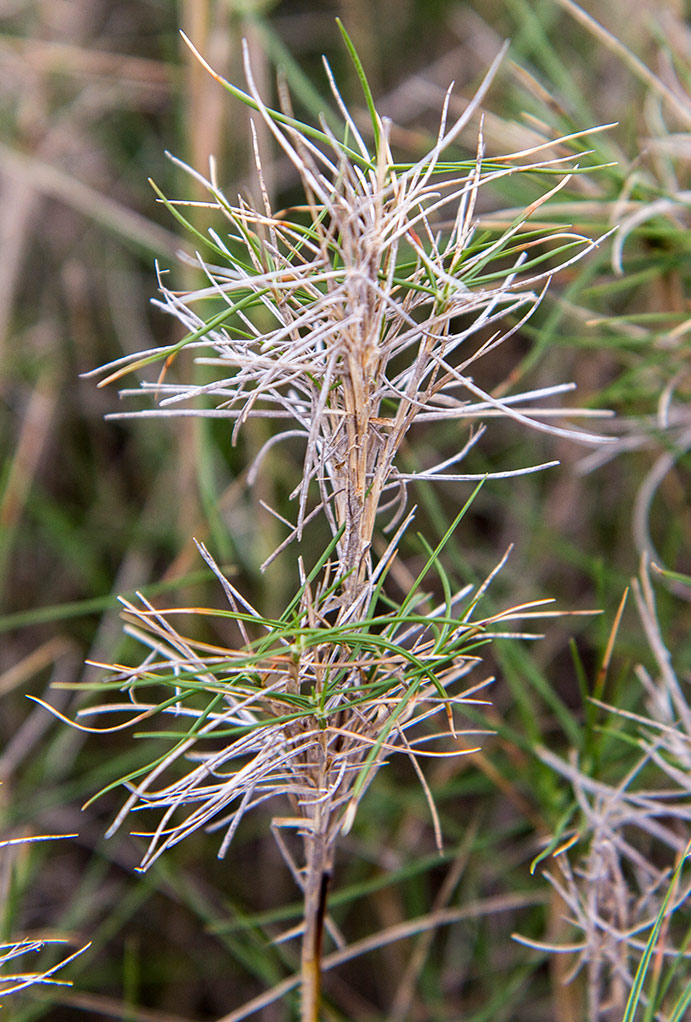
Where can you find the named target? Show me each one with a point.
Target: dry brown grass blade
(19, 207)
(401, 1007)
(109, 1007)
(40, 658)
(34, 438)
(609, 648)
(677, 101)
(50, 56)
(94, 205)
(411, 928)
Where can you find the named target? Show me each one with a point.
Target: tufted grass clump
(369, 306)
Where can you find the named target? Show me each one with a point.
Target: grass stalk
(364, 292)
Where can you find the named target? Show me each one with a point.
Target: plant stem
(318, 875)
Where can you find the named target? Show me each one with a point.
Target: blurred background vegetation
(91, 96)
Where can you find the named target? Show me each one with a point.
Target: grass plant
(351, 317)
(367, 311)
